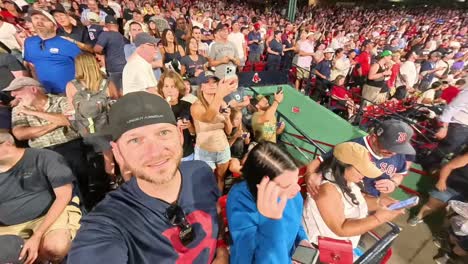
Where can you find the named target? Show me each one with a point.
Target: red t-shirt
(340, 93)
(364, 60)
(395, 71)
(449, 93)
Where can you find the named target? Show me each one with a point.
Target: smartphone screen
(405, 203)
(305, 255)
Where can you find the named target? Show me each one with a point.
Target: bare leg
(431, 206)
(55, 245)
(220, 173)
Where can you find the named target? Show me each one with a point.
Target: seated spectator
(265, 126)
(264, 211)
(455, 246)
(340, 97)
(34, 202)
(390, 149)
(41, 119)
(428, 96)
(138, 74)
(452, 184)
(239, 138)
(340, 210)
(172, 88)
(211, 118)
(452, 91)
(167, 211)
(193, 64)
(47, 58)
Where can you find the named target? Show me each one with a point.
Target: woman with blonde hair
(171, 87)
(211, 117)
(90, 82)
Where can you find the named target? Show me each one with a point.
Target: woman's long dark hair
(164, 38)
(337, 169)
(265, 159)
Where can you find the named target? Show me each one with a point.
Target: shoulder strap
(78, 85)
(103, 85)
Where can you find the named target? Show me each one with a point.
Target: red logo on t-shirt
(188, 255)
(401, 137)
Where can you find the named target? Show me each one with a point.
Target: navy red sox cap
(395, 136)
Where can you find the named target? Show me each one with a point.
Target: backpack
(91, 110)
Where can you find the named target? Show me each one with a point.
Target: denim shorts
(213, 158)
(446, 196)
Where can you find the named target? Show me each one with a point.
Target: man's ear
(117, 154)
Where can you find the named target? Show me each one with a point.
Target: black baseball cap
(58, 9)
(110, 20)
(395, 136)
(135, 110)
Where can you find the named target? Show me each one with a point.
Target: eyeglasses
(176, 217)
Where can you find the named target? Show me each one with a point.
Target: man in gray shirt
(223, 53)
(35, 192)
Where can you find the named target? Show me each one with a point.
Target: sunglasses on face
(176, 217)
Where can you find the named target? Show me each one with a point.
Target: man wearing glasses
(138, 73)
(167, 212)
(391, 151)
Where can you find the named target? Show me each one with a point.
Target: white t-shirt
(137, 75)
(408, 68)
(305, 61)
(238, 40)
(7, 36)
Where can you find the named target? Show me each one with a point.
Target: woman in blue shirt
(264, 211)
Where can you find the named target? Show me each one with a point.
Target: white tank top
(314, 224)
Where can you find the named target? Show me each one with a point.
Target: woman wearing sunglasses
(264, 210)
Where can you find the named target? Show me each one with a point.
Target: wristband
(221, 244)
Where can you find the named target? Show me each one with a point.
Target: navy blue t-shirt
(389, 166)
(113, 44)
(324, 67)
(129, 226)
(54, 61)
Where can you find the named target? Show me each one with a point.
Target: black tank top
(380, 81)
(168, 57)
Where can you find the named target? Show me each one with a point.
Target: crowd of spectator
(124, 122)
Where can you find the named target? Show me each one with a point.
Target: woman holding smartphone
(264, 210)
(340, 210)
(212, 123)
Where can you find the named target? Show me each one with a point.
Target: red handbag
(335, 251)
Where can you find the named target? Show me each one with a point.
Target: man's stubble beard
(154, 179)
